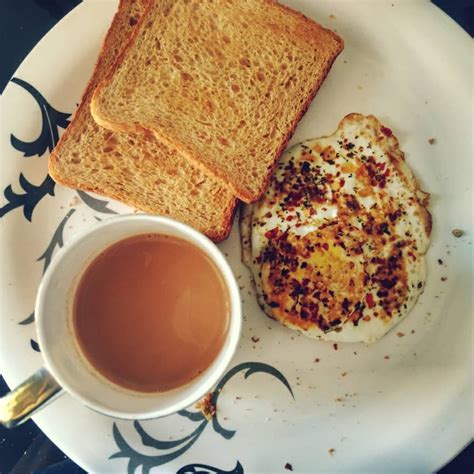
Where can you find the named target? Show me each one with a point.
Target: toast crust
(216, 235)
(54, 156)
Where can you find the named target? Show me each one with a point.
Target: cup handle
(33, 394)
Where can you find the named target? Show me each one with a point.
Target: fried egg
(336, 245)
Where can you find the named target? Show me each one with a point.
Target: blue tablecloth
(22, 24)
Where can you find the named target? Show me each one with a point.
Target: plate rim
(455, 29)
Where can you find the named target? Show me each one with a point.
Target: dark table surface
(22, 24)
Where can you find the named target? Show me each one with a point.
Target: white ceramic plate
(405, 62)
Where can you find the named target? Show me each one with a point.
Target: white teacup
(66, 369)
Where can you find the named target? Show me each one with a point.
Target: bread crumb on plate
(206, 406)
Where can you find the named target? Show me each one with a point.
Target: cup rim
(208, 381)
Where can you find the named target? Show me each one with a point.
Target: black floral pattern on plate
(175, 448)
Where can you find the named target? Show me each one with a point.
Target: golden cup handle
(33, 394)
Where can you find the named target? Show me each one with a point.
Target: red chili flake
(288, 466)
(342, 182)
(412, 255)
(325, 246)
(290, 218)
(335, 346)
(268, 215)
(271, 234)
(386, 131)
(370, 300)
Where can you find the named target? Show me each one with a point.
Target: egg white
(360, 145)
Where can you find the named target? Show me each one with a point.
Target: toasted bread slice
(225, 82)
(137, 169)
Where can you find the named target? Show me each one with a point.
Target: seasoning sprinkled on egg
(337, 244)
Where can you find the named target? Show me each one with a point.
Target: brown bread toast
(136, 168)
(223, 81)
